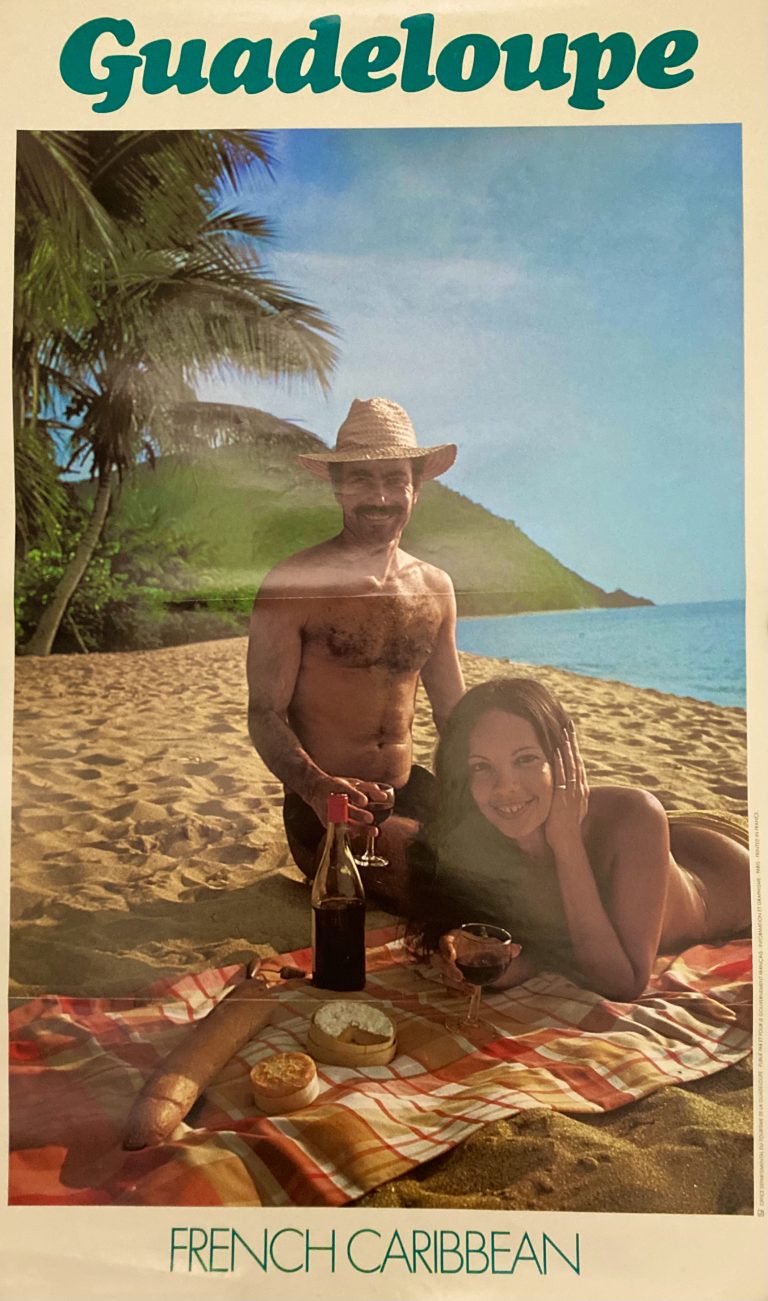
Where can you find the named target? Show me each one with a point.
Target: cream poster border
(113, 1253)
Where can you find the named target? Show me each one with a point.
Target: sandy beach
(148, 842)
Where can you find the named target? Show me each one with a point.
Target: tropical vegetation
(137, 271)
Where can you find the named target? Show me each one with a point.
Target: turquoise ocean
(687, 650)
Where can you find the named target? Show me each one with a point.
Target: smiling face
(510, 778)
(376, 498)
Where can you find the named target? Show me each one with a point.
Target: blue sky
(563, 303)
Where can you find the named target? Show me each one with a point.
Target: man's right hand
(358, 793)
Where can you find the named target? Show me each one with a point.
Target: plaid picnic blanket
(76, 1065)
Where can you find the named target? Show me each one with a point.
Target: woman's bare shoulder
(612, 806)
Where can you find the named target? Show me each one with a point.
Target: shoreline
(531, 670)
(658, 651)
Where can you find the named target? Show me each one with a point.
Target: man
(341, 634)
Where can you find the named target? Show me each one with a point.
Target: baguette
(187, 1071)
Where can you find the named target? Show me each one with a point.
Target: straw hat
(379, 430)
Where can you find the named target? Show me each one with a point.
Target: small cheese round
(284, 1083)
(344, 1017)
(347, 1033)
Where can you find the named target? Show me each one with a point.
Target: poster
(602, 281)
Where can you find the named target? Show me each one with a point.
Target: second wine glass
(482, 953)
(381, 810)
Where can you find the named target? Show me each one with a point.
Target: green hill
(240, 509)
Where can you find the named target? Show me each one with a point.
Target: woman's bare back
(708, 879)
(720, 868)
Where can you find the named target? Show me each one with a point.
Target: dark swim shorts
(414, 800)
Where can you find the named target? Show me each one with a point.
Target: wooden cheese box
(352, 1043)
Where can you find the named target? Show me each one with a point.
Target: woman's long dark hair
(432, 912)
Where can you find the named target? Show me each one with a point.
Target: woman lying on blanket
(593, 883)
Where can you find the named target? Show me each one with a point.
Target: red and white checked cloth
(76, 1065)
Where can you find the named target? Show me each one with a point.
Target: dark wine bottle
(338, 908)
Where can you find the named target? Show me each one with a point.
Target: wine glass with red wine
(381, 810)
(482, 953)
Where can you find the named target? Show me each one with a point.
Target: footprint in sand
(235, 855)
(211, 809)
(198, 890)
(174, 787)
(113, 887)
(158, 878)
(41, 822)
(227, 785)
(732, 790)
(134, 811)
(26, 912)
(199, 767)
(735, 734)
(142, 844)
(188, 838)
(637, 774)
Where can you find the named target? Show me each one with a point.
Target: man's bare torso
(364, 642)
(381, 631)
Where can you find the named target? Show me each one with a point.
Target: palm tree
(60, 230)
(170, 285)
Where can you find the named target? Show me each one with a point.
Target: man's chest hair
(378, 631)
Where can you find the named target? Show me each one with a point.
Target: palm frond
(130, 166)
(40, 497)
(52, 181)
(232, 221)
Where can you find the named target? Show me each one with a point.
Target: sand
(147, 841)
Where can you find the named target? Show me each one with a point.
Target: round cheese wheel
(347, 1033)
(284, 1083)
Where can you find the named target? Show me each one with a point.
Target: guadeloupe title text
(100, 59)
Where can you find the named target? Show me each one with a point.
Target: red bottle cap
(338, 808)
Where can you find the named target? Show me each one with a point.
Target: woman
(594, 883)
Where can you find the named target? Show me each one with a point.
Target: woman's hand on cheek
(570, 796)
